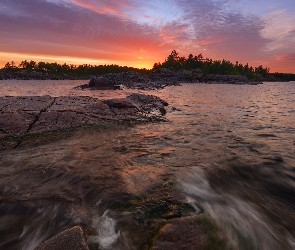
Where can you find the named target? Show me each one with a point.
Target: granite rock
(21, 116)
(70, 239)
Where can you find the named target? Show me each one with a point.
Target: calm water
(230, 148)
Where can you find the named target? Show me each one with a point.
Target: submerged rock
(182, 233)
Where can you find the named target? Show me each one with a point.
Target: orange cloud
(134, 33)
(209, 42)
(103, 7)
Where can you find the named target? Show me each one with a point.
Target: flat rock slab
(20, 116)
(181, 233)
(24, 103)
(17, 113)
(70, 239)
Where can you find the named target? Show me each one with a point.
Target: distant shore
(148, 80)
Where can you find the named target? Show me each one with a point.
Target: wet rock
(119, 86)
(142, 100)
(160, 219)
(70, 239)
(159, 203)
(18, 113)
(101, 83)
(134, 80)
(182, 233)
(149, 104)
(8, 221)
(120, 103)
(21, 116)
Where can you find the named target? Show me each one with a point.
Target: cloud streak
(279, 29)
(139, 33)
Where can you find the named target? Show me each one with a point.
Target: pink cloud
(285, 57)
(104, 30)
(113, 7)
(208, 42)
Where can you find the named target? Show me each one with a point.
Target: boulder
(101, 83)
(70, 239)
(149, 104)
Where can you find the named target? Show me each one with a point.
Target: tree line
(173, 62)
(209, 66)
(65, 70)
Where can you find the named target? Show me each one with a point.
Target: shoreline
(27, 122)
(157, 79)
(98, 163)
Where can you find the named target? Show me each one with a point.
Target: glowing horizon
(62, 59)
(141, 33)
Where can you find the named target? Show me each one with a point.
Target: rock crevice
(23, 116)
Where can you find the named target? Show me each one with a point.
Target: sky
(138, 33)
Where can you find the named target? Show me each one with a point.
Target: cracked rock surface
(70, 239)
(21, 116)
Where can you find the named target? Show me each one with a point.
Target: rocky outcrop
(21, 116)
(229, 79)
(148, 103)
(24, 74)
(70, 239)
(101, 83)
(161, 78)
(156, 79)
(134, 80)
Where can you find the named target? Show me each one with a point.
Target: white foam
(234, 216)
(192, 202)
(107, 234)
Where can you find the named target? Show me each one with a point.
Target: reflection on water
(55, 88)
(230, 147)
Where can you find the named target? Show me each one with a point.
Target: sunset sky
(139, 33)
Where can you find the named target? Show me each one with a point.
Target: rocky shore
(156, 79)
(24, 74)
(133, 80)
(22, 117)
(159, 218)
(229, 79)
(160, 79)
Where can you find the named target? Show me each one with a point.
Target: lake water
(230, 148)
